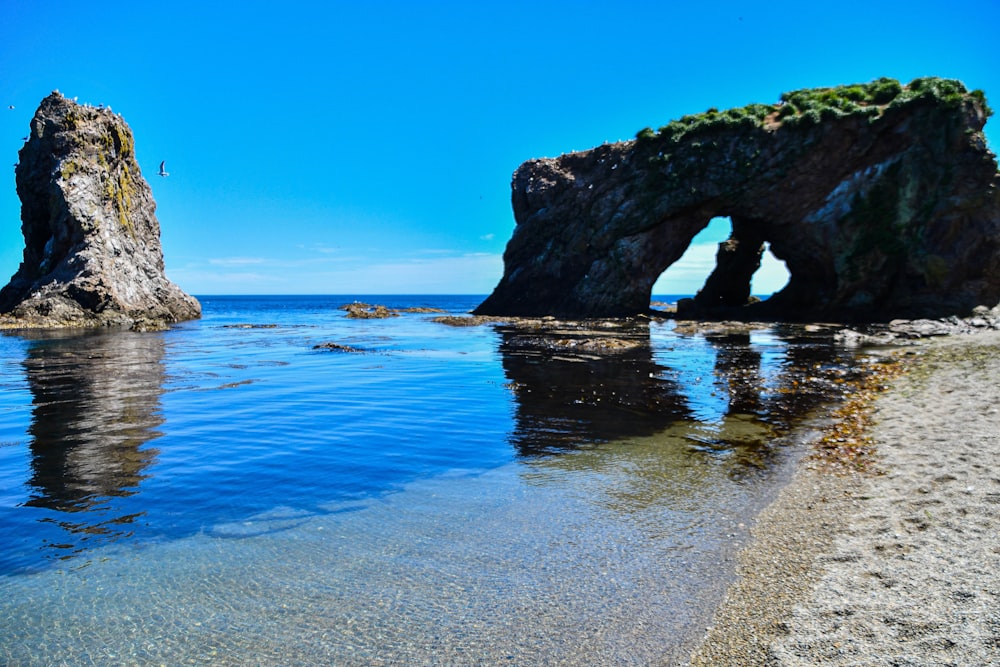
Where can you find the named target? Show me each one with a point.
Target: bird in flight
(163, 171)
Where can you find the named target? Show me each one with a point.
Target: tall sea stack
(92, 254)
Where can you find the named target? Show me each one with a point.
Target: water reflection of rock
(95, 404)
(763, 397)
(738, 371)
(575, 386)
(809, 371)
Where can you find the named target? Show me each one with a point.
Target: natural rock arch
(882, 201)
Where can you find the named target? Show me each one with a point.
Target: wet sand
(900, 567)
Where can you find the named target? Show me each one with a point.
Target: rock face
(92, 254)
(882, 200)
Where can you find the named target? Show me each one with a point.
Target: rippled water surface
(228, 493)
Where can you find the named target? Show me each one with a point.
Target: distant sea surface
(228, 493)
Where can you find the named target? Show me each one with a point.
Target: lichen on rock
(882, 200)
(92, 254)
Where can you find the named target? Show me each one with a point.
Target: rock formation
(882, 200)
(92, 254)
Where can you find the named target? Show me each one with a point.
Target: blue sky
(367, 147)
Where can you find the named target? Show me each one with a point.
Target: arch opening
(725, 264)
(772, 276)
(687, 275)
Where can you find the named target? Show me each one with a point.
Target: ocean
(232, 492)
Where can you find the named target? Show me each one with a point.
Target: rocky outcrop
(92, 254)
(896, 332)
(882, 200)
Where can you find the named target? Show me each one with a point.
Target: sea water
(232, 492)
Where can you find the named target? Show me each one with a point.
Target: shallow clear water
(227, 493)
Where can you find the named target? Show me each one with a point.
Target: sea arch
(882, 202)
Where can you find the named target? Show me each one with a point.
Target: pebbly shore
(897, 565)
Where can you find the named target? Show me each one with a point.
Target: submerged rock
(422, 309)
(249, 326)
(471, 320)
(882, 200)
(92, 254)
(337, 347)
(365, 311)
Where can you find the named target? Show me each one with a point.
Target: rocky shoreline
(889, 568)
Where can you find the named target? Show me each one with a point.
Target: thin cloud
(236, 261)
(322, 249)
(425, 272)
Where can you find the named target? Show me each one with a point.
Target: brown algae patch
(847, 443)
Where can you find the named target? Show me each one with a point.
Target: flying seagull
(163, 171)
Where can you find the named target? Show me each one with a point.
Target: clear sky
(367, 147)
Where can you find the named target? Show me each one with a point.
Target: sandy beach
(899, 565)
